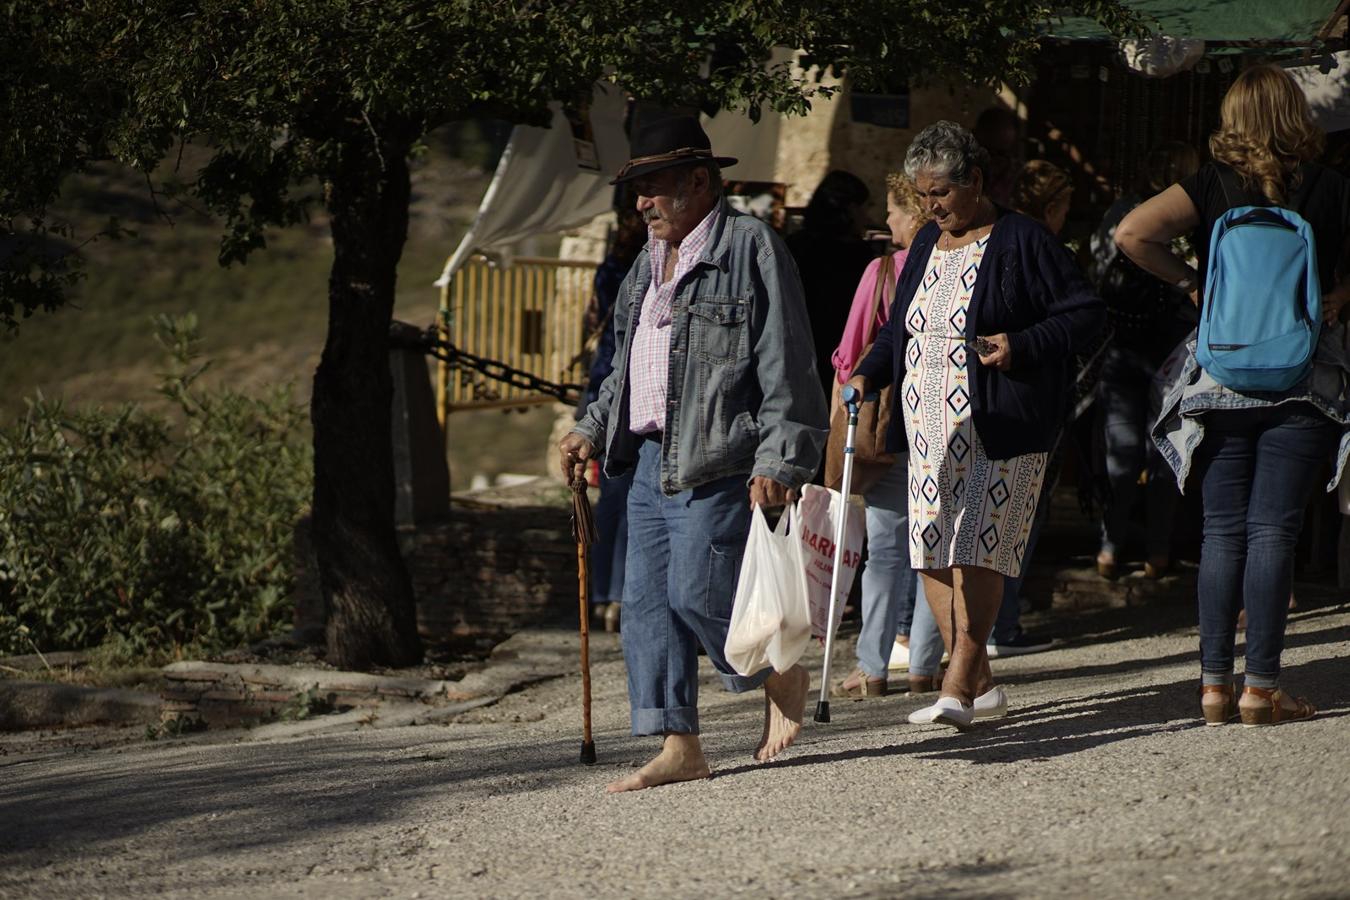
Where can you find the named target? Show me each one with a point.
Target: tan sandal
(861, 686)
(1218, 713)
(924, 684)
(1276, 712)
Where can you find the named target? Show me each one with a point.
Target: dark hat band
(690, 153)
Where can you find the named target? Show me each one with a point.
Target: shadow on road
(1060, 727)
(230, 798)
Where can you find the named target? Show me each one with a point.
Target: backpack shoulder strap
(1229, 178)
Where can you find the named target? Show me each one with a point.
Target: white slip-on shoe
(992, 704)
(953, 712)
(899, 661)
(923, 716)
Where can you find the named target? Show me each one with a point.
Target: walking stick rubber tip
(588, 753)
(823, 711)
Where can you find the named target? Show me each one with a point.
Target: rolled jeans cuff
(1210, 677)
(740, 684)
(870, 673)
(675, 720)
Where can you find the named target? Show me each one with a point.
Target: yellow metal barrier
(529, 315)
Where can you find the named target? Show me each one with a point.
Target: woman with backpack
(1259, 407)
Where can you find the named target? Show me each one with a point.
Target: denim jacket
(1189, 392)
(742, 391)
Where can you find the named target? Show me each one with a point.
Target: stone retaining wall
(490, 572)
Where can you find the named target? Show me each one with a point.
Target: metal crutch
(583, 530)
(851, 399)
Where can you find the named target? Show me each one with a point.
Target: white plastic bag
(817, 514)
(770, 624)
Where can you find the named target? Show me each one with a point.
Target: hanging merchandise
(1160, 56)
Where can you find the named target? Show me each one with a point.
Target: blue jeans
(1128, 410)
(1258, 469)
(608, 554)
(925, 640)
(887, 579)
(684, 556)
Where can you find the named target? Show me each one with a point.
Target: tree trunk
(368, 595)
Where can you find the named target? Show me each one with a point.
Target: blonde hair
(1038, 186)
(1265, 131)
(900, 188)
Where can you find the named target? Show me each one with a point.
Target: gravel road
(1102, 783)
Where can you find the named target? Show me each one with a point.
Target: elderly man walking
(715, 403)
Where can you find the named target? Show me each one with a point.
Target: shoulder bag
(870, 459)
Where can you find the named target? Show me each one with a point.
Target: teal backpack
(1263, 299)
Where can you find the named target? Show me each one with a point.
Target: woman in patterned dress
(992, 307)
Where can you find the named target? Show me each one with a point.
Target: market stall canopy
(1294, 23)
(552, 179)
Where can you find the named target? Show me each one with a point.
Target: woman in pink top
(888, 582)
(904, 216)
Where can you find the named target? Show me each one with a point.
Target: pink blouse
(858, 333)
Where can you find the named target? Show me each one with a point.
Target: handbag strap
(882, 292)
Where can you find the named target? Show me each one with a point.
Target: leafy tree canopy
(305, 101)
(285, 88)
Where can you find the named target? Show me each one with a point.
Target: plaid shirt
(650, 360)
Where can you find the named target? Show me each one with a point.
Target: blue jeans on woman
(925, 640)
(1258, 469)
(887, 579)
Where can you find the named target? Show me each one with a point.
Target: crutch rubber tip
(823, 711)
(588, 753)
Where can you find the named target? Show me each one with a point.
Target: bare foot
(784, 709)
(680, 759)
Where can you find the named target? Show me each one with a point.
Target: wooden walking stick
(583, 531)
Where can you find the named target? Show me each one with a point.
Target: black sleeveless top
(1322, 197)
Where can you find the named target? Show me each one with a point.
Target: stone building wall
(827, 139)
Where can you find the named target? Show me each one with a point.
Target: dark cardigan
(1029, 288)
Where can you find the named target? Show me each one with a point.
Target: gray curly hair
(946, 149)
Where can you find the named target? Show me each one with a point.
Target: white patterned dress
(964, 508)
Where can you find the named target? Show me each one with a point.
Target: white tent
(552, 179)
(549, 179)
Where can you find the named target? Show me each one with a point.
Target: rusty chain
(409, 337)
